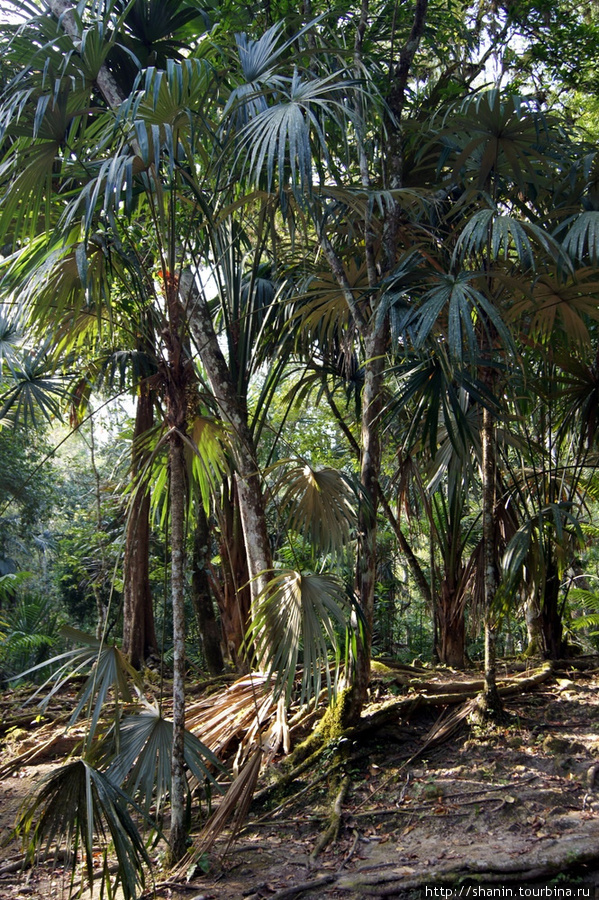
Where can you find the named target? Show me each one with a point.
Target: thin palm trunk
(375, 333)
(178, 377)
(367, 522)
(177, 516)
(492, 698)
(201, 595)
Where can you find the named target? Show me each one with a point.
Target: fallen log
(416, 700)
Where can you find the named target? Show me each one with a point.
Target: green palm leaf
(299, 612)
(35, 389)
(10, 338)
(320, 504)
(143, 761)
(582, 239)
(589, 601)
(499, 138)
(504, 236)
(110, 673)
(569, 302)
(75, 805)
(456, 301)
(281, 137)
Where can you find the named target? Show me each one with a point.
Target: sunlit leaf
(296, 616)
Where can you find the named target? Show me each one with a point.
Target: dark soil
(513, 804)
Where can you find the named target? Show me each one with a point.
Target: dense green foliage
(345, 263)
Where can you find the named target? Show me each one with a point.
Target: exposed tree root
(296, 890)
(389, 884)
(441, 731)
(332, 831)
(268, 816)
(567, 857)
(288, 777)
(407, 705)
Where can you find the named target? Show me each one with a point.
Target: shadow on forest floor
(511, 805)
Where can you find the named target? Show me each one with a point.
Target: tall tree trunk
(532, 616)
(492, 698)
(139, 635)
(236, 599)
(233, 411)
(451, 626)
(201, 595)
(178, 496)
(370, 466)
(374, 327)
(403, 543)
(178, 377)
(551, 620)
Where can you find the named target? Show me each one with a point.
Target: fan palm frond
(319, 503)
(30, 631)
(556, 304)
(582, 238)
(458, 303)
(282, 136)
(10, 337)
(110, 672)
(143, 761)
(499, 137)
(34, 388)
(234, 716)
(75, 805)
(589, 602)
(504, 236)
(299, 613)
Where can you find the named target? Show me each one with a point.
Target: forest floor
(511, 806)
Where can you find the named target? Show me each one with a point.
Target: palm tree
(496, 171)
(157, 208)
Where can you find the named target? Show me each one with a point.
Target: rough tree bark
(236, 599)
(177, 374)
(551, 620)
(233, 411)
(451, 626)
(178, 496)
(492, 698)
(201, 595)
(139, 635)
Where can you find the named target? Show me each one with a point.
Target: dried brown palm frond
(239, 713)
(447, 724)
(246, 715)
(233, 809)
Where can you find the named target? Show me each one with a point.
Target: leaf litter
(430, 799)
